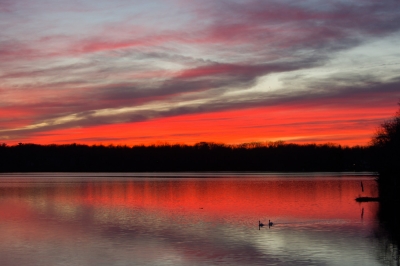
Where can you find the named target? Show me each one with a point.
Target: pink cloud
(221, 46)
(291, 122)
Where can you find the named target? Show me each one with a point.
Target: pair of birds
(260, 224)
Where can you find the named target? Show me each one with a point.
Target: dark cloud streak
(246, 40)
(374, 96)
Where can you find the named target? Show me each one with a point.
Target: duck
(260, 224)
(270, 223)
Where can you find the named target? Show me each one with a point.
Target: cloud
(84, 101)
(6, 6)
(374, 96)
(208, 59)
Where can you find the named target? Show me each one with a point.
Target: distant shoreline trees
(203, 156)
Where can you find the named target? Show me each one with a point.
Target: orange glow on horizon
(345, 126)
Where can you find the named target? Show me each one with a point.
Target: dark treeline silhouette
(386, 145)
(203, 156)
(388, 233)
(386, 150)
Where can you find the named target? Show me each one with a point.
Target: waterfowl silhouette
(270, 223)
(260, 224)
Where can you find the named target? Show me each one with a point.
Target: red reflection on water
(221, 197)
(293, 198)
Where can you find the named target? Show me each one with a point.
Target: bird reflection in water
(260, 224)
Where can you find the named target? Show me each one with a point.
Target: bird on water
(270, 223)
(260, 224)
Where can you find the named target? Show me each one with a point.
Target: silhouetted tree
(388, 135)
(387, 146)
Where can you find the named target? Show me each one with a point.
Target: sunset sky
(185, 71)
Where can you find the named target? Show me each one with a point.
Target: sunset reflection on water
(102, 220)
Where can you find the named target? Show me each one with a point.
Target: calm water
(187, 219)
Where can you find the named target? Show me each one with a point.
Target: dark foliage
(203, 156)
(386, 146)
(386, 150)
(388, 234)
(386, 143)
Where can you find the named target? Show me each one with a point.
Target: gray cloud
(379, 94)
(235, 44)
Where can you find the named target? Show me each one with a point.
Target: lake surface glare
(187, 219)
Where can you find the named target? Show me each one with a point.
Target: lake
(188, 219)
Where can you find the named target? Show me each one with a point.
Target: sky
(184, 71)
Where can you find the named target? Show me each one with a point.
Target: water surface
(187, 219)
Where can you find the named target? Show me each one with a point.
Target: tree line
(386, 143)
(203, 156)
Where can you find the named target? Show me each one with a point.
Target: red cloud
(61, 75)
(299, 124)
